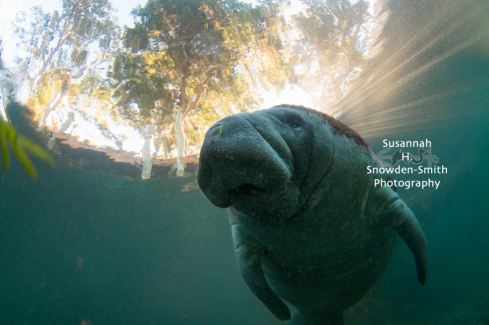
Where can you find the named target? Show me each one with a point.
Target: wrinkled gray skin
(308, 224)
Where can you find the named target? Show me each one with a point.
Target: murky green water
(80, 246)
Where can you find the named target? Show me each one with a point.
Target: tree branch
(202, 89)
(46, 62)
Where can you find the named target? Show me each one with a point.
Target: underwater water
(85, 247)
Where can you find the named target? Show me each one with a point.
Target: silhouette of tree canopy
(61, 50)
(186, 64)
(196, 56)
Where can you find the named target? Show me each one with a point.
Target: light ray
(393, 78)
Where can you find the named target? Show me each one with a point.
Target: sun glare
(290, 95)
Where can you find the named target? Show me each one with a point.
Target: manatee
(308, 224)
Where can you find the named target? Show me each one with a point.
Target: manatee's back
(331, 253)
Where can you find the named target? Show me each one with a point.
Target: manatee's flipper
(332, 318)
(248, 254)
(404, 222)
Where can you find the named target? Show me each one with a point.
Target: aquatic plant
(20, 146)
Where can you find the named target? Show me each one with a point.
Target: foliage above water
(206, 59)
(198, 56)
(9, 137)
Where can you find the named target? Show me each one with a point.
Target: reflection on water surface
(154, 88)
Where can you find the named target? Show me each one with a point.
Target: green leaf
(24, 161)
(3, 136)
(37, 151)
(20, 144)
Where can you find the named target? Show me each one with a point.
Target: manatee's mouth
(247, 191)
(256, 183)
(244, 192)
(244, 165)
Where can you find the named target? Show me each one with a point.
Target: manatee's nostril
(245, 189)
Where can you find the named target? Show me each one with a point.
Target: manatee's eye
(293, 120)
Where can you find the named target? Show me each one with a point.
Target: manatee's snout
(239, 167)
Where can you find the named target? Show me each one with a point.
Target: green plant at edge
(19, 145)
(9, 135)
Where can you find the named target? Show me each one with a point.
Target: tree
(59, 50)
(193, 61)
(9, 137)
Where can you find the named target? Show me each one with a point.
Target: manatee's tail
(330, 318)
